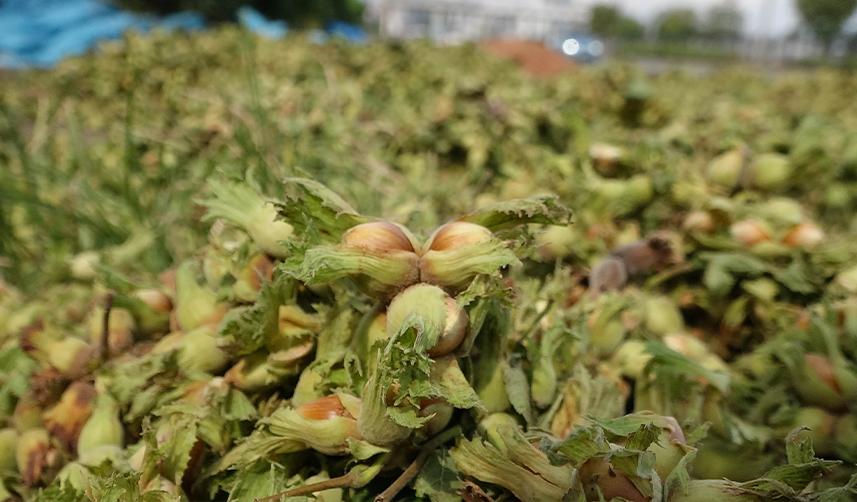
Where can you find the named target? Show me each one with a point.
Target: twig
(538, 319)
(105, 325)
(414, 468)
(352, 477)
(344, 481)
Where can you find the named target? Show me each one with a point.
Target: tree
(604, 20)
(724, 22)
(676, 25)
(630, 29)
(851, 45)
(825, 18)
(608, 21)
(312, 13)
(298, 13)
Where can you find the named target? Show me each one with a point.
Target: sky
(762, 18)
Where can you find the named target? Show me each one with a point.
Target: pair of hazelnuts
(434, 262)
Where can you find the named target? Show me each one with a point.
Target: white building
(450, 21)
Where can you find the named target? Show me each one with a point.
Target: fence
(452, 22)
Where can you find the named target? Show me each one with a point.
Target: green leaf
(316, 212)
(633, 459)
(794, 477)
(53, 493)
(139, 383)
(845, 493)
(722, 268)
(452, 385)
(597, 397)
(678, 478)
(17, 367)
(540, 209)
(736, 312)
(582, 444)
(666, 361)
(262, 479)
(438, 479)
(799, 446)
(796, 277)
(803, 468)
(406, 417)
(518, 390)
(237, 406)
(108, 485)
(485, 289)
(631, 424)
(173, 454)
(334, 338)
(643, 437)
(489, 365)
(247, 330)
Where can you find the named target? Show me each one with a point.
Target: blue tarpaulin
(347, 31)
(254, 21)
(42, 32)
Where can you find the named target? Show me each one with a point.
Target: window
(558, 28)
(417, 22)
(418, 17)
(500, 25)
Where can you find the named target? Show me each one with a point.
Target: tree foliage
(608, 21)
(826, 17)
(630, 29)
(604, 19)
(723, 22)
(677, 25)
(301, 13)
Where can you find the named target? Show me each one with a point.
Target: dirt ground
(533, 57)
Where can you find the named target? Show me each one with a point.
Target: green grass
(673, 50)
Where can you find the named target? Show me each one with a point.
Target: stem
(538, 319)
(414, 468)
(344, 481)
(105, 326)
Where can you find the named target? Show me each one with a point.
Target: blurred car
(580, 47)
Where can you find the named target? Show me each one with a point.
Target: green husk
(423, 306)
(518, 467)
(770, 171)
(8, 445)
(66, 419)
(69, 355)
(102, 432)
(726, 170)
(328, 436)
(31, 455)
(455, 268)
(716, 459)
(700, 490)
(238, 204)
(381, 273)
(197, 349)
(195, 305)
(662, 316)
(374, 423)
